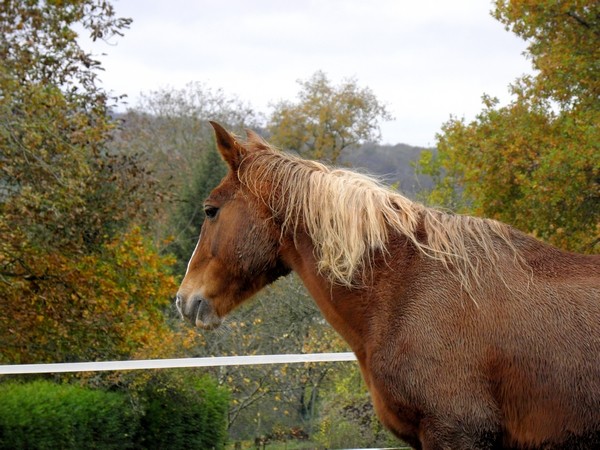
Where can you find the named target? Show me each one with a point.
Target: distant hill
(393, 164)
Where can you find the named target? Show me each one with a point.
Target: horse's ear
(231, 151)
(255, 139)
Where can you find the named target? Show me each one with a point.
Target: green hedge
(45, 415)
(190, 415)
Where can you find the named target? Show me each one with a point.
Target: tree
(53, 125)
(347, 417)
(168, 131)
(563, 46)
(38, 46)
(77, 279)
(327, 119)
(188, 217)
(169, 127)
(105, 305)
(535, 163)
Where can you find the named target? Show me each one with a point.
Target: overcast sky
(424, 59)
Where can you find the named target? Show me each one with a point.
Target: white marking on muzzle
(178, 305)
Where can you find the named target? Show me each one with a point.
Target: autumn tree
(535, 163)
(327, 119)
(77, 278)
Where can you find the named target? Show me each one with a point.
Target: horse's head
(238, 250)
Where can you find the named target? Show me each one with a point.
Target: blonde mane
(350, 216)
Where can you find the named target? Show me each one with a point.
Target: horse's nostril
(200, 312)
(194, 309)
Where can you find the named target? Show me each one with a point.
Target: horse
(469, 334)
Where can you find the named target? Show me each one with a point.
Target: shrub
(174, 411)
(45, 415)
(190, 414)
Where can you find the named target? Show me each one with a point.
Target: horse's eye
(211, 211)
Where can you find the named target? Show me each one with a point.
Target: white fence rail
(142, 364)
(99, 366)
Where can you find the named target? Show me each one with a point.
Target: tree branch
(582, 22)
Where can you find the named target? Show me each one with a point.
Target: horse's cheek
(254, 250)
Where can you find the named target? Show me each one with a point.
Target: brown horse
(469, 334)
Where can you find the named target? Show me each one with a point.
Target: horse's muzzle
(199, 311)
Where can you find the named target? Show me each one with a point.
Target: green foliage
(564, 47)
(327, 119)
(534, 163)
(77, 281)
(38, 46)
(347, 418)
(191, 414)
(58, 184)
(189, 215)
(44, 415)
(167, 411)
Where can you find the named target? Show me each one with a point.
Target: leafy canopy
(77, 279)
(327, 119)
(534, 163)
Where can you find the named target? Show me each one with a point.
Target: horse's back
(521, 354)
(548, 262)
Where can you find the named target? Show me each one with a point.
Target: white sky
(424, 59)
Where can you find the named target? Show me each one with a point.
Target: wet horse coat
(469, 334)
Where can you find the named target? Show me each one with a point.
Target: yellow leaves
(563, 46)
(92, 307)
(283, 370)
(74, 291)
(532, 164)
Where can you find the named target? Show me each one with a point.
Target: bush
(164, 411)
(191, 414)
(45, 415)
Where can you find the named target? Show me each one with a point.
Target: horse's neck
(343, 308)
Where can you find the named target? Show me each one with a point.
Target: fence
(99, 366)
(18, 369)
